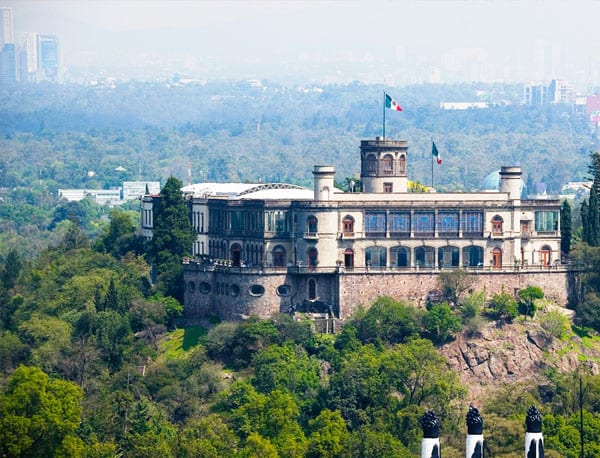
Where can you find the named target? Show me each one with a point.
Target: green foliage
(236, 344)
(172, 238)
(590, 212)
(38, 415)
(566, 227)
(441, 323)
(503, 307)
(527, 297)
(454, 283)
(120, 236)
(588, 311)
(555, 324)
(290, 368)
(387, 321)
(328, 435)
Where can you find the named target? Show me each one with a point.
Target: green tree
(172, 239)
(590, 212)
(454, 283)
(120, 236)
(440, 323)
(503, 307)
(387, 321)
(38, 415)
(527, 297)
(328, 435)
(11, 270)
(566, 229)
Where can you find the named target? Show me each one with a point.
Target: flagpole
(383, 115)
(432, 166)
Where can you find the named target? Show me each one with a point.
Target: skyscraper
(28, 57)
(6, 26)
(8, 64)
(48, 56)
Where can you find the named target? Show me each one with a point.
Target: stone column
(534, 440)
(430, 445)
(474, 446)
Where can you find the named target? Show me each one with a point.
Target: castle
(265, 248)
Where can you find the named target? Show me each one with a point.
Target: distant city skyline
(391, 42)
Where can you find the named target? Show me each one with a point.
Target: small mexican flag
(436, 153)
(392, 104)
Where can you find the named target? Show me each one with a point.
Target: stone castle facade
(269, 248)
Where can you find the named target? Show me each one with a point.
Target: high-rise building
(8, 64)
(48, 56)
(28, 56)
(6, 26)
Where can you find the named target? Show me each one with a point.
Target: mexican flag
(392, 104)
(436, 153)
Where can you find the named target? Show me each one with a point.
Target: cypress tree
(565, 227)
(172, 239)
(585, 227)
(593, 219)
(590, 212)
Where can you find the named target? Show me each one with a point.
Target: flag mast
(383, 136)
(433, 143)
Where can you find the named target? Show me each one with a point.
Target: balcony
(311, 235)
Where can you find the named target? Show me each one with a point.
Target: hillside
(501, 354)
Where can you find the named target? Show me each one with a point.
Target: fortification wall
(363, 289)
(236, 295)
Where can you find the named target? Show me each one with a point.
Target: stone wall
(363, 289)
(234, 294)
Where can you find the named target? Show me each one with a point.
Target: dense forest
(95, 363)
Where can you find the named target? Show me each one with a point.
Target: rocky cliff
(499, 354)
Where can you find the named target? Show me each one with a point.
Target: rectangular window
(447, 222)
(375, 223)
(400, 223)
(472, 222)
(546, 221)
(388, 187)
(423, 224)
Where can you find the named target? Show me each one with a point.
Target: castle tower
(323, 181)
(383, 165)
(510, 181)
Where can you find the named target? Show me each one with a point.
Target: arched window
(545, 255)
(387, 165)
(312, 289)
(236, 254)
(348, 225)
(313, 257)
(497, 225)
(497, 257)
(312, 225)
(279, 259)
(349, 257)
(473, 256)
(424, 256)
(371, 165)
(400, 256)
(448, 256)
(402, 165)
(375, 256)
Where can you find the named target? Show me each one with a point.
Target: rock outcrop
(501, 354)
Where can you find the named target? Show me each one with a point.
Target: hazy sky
(209, 35)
